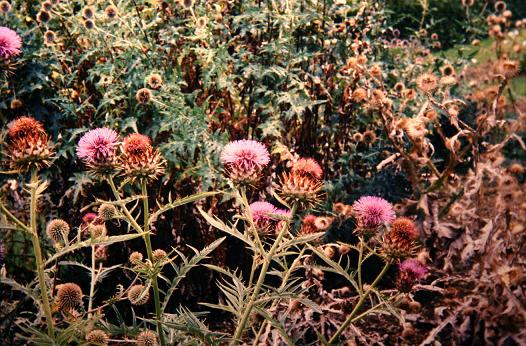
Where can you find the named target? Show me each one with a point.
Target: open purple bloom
(10, 43)
(372, 211)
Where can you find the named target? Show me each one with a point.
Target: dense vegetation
(262, 172)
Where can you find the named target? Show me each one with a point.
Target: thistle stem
(93, 280)
(364, 296)
(148, 243)
(266, 263)
(360, 260)
(38, 253)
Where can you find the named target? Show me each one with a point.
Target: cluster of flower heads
(28, 145)
(136, 159)
(245, 160)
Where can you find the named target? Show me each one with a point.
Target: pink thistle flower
(373, 211)
(89, 217)
(309, 167)
(97, 148)
(10, 43)
(244, 159)
(410, 272)
(261, 211)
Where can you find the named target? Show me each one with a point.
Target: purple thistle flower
(372, 211)
(10, 43)
(98, 145)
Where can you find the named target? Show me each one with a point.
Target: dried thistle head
(69, 296)
(28, 146)
(400, 241)
(139, 160)
(308, 225)
(111, 12)
(97, 337)
(307, 167)
(147, 338)
(154, 81)
(359, 94)
(97, 231)
(57, 230)
(143, 96)
(323, 223)
(158, 255)
(138, 295)
(136, 258)
(5, 7)
(427, 82)
(107, 212)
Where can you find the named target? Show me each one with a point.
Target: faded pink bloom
(410, 272)
(372, 211)
(10, 43)
(98, 145)
(89, 217)
(244, 159)
(307, 166)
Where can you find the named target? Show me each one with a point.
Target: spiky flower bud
(303, 185)
(158, 255)
(107, 211)
(69, 296)
(139, 160)
(147, 338)
(97, 338)
(136, 258)
(97, 231)
(57, 230)
(28, 145)
(155, 81)
(138, 295)
(308, 225)
(400, 241)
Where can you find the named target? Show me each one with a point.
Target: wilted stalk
(266, 262)
(38, 252)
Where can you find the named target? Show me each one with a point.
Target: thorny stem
(266, 262)
(360, 259)
(93, 280)
(38, 253)
(125, 210)
(148, 243)
(358, 305)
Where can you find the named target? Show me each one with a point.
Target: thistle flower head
(139, 160)
(308, 225)
(154, 81)
(244, 160)
(427, 82)
(97, 148)
(89, 217)
(323, 223)
(28, 144)
(111, 11)
(303, 190)
(261, 214)
(69, 296)
(57, 230)
(147, 338)
(143, 96)
(372, 212)
(10, 43)
(410, 272)
(107, 211)
(308, 167)
(400, 240)
(138, 295)
(5, 6)
(97, 231)
(158, 255)
(97, 337)
(135, 258)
